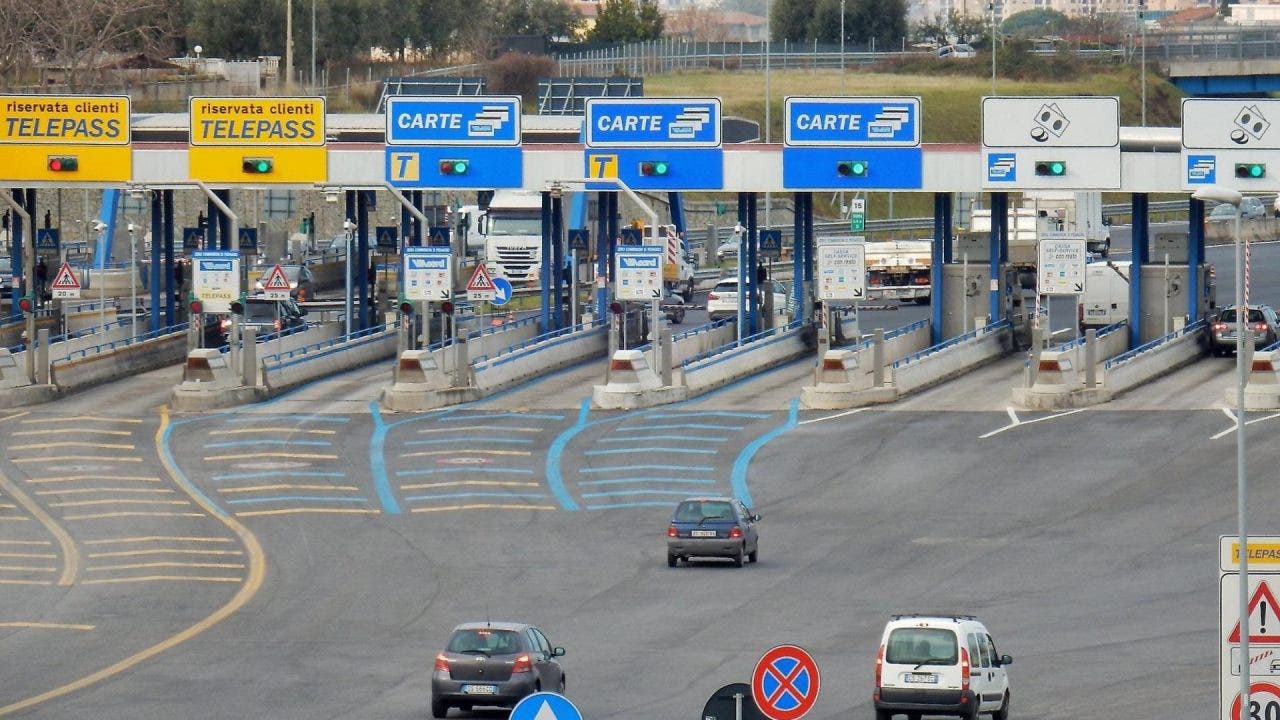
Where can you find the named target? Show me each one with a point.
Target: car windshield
(262, 312)
(1223, 209)
(917, 646)
(484, 640)
(1229, 316)
(699, 510)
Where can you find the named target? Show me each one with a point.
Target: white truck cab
(940, 665)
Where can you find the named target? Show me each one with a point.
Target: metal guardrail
(288, 357)
(1078, 341)
(977, 332)
(273, 335)
(125, 342)
(867, 342)
(737, 344)
(85, 332)
(702, 329)
(494, 329)
(1151, 345)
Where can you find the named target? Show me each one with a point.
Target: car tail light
(523, 664)
(1219, 327)
(1260, 327)
(302, 295)
(735, 533)
(712, 296)
(879, 665)
(964, 670)
(226, 324)
(442, 663)
(672, 532)
(921, 280)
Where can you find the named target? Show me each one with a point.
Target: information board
(1051, 142)
(1264, 642)
(639, 272)
(842, 268)
(215, 279)
(1229, 141)
(65, 139)
(258, 140)
(428, 274)
(454, 142)
(1062, 257)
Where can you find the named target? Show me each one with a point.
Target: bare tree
(79, 35)
(16, 18)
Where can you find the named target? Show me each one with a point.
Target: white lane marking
(1019, 423)
(1232, 429)
(832, 417)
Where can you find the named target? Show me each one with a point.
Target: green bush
(517, 74)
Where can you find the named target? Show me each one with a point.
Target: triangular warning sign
(1262, 611)
(275, 279)
(480, 280)
(65, 279)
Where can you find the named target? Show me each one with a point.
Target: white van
(940, 665)
(1106, 294)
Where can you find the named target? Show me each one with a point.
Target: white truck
(512, 232)
(1074, 212)
(899, 270)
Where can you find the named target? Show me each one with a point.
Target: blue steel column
(361, 263)
(15, 253)
(941, 231)
(157, 229)
(999, 218)
(613, 235)
(1195, 256)
(406, 222)
(1141, 255)
(808, 257)
(419, 232)
(753, 261)
(169, 286)
(602, 252)
(557, 261)
(211, 214)
(797, 252)
(545, 269)
(224, 222)
(742, 265)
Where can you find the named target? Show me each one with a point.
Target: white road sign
(1230, 124)
(842, 268)
(480, 287)
(1061, 263)
(275, 284)
(215, 279)
(428, 274)
(65, 285)
(1037, 122)
(639, 272)
(1264, 628)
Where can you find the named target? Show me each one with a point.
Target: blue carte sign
(653, 122)
(448, 120)
(852, 122)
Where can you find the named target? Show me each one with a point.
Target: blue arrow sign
(653, 122)
(502, 288)
(852, 122)
(491, 120)
(47, 239)
(545, 706)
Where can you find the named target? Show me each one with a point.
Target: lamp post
(133, 282)
(841, 47)
(992, 7)
(1142, 30)
(1233, 197)
(313, 46)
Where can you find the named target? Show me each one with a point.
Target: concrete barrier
(1059, 378)
(289, 372)
(428, 379)
(954, 358)
(763, 352)
(1262, 386)
(869, 371)
(209, 382)
(1154, 359)
(691, 344)
(632, 384)
(547, 356)
(111, 363)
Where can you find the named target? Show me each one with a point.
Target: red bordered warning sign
(785, 683)
(480, 286)
(1262, 608)
(1264, 696)
(276, 284)
(65, 283)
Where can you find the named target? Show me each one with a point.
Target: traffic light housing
(237, 306)
(853, 168)
(1251, 171)
(1051, 168)
(654, 168)
(406, 307)
(63, 163)
(446, 307)
(257, 165)
(197, 306)
(454, 167)
(26, 303)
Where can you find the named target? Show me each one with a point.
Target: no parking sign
(785, 683)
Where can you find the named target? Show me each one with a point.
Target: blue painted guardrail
(1076, 342)
(1196, 326)
(273, 335)
(912, 327)
(508, 354)
(495, 329)
(726, 350)
(648, 347)
(125, 342)
(323, 347)
(989, 328)
(1273, 346)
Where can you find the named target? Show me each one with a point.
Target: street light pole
(841, 47)
(992, 6)
(288, 43)
(1142, 29)
(313, 46)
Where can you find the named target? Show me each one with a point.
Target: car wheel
(754, 555)
(1003, 712)
(737, 559)
(439, 708)
(672, 560)
(884, 714)
(560, 687)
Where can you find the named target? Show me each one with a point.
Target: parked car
(722, 301)
(960, 50)
(727, 249)
(716, 527)
(301, 280)
(1251, 208)
(494, 664)
(1222, 331)
(261, 315)
(940, 665)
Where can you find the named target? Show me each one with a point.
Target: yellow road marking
(18, 518)
(430, 453)
(103, 516)
(29, 556)
(25, 433)
(150, 538)
(134, 659)
(45, 543)
(44, 421)
(77, 478)
(67, 546)
(459, 483)
(46, 626)
(291, 456)
(259, 431)
(114, 501)
(65, 458)
(20, 568)
(248, 588)
(166, 564)
(163, 551)
(25, 582)
(483, 506)
(480, 427)
(295, 511)
(7, 506)
(75, 443)
(286, 486)
(15, 415)
(78, 491)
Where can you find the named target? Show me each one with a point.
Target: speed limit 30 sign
(1264, 703)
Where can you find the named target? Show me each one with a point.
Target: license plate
(702, 533)
(479, 689)
(920, 677)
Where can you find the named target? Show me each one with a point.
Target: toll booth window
(278, 203)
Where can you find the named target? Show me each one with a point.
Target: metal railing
(273, 335)
(323, 347)
(1078, 341)
(975, 333)
(868, 341)
(700, 329)
(495, 329)
(507, 354)
(124, 342)
(726, 350)
(1124, 357)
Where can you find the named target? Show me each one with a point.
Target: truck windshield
(502, 225)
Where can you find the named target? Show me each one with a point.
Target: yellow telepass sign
(65, 139)
(280, 121)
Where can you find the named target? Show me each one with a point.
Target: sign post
(842, 276)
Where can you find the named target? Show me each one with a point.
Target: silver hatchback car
(717, 527)
(494, 664)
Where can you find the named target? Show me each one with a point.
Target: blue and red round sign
(785, 683)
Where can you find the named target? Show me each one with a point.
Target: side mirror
(559, 652)
(755, 518)
(1006, 660)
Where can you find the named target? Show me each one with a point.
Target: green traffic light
(1251, 171)
(256, 166)
(1052, 168)
(853, 168)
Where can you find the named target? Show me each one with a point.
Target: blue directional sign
(248, 239)
(386, 236)
(852, 144)
(579, 239)
(653, 122)
(47, 239)
(502, 291)
(438, 235)
(771, 243)
(545, 706)
(449, 120)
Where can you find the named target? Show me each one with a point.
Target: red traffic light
(197, 307)
(237, 307)
(25, 304)
(63, 163)
(615, 308)
(454, 167)
(406, 308)
(446, 307)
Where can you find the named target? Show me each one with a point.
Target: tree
(791, 20)
(1035, 23)
(77, 35)
(546, 18)
(627, 21)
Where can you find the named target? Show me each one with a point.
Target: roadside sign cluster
(1264, 628)
(639, 272)
(428, 274)
(842, 268)
(1051, 142)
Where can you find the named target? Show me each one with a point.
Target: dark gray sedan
(493, 664)
(717, 527)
